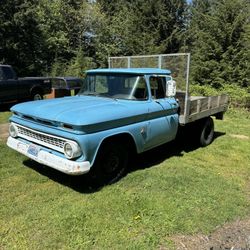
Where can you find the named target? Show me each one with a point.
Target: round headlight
(13, 131)
(71, 150)
(68, 150)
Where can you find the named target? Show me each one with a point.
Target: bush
(239, 97)
(203, 90)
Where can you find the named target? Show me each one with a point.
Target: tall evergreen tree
(139, 27)
(21, 41)
(217, 41)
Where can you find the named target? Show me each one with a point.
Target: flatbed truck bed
(199, 107)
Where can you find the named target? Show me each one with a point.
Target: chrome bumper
(63, 165)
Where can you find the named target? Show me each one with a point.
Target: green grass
(4, 117)
(184, 190)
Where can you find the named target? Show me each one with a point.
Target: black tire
(110, 164)
(36, 96)
(207, 132)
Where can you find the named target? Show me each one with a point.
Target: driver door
(163, 118)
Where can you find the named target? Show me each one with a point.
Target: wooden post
(198, 105)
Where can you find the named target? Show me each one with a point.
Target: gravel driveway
(4, 131)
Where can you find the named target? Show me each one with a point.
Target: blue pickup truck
(117, 112)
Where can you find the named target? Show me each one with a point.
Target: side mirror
(171, 88)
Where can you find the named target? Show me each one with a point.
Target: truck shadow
(149, 159)
(183, 144)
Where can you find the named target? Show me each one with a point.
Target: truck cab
(144, 92)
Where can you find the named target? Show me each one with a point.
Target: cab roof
(138, 71)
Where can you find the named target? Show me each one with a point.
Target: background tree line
(65, 37)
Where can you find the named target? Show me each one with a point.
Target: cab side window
(158, 87)
(8, 73)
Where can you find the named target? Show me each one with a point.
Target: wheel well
(124, 138)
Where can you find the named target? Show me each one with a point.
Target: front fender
(95, 140)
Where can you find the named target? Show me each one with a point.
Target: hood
(80, 110)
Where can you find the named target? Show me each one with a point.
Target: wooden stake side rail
(199, 107)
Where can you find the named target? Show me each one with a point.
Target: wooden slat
(193, 107)
(204, 104)
(214, 102)
(223, 99)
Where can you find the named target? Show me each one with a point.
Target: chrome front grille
(40, 138)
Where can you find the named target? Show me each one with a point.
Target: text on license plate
(33, 150)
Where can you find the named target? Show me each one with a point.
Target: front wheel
(207, 132)
(111, 163)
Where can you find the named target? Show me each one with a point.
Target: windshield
(118, 86)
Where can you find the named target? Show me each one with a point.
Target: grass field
(4, 117)
(173, 189)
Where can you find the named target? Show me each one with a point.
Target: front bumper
(63, 165)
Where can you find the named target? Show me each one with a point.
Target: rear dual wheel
(206, 132)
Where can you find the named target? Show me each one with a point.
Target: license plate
(33, 150)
